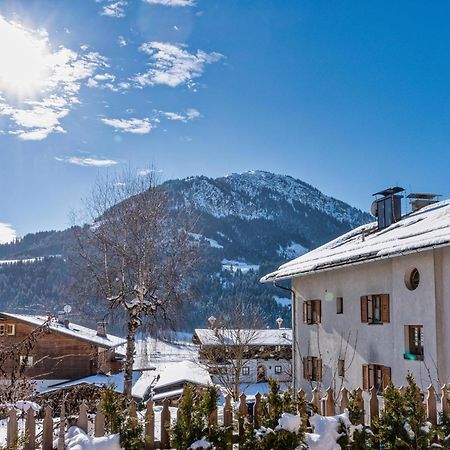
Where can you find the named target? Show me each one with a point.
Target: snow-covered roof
(74, 330)
(100, 380)
(267, 337)
(422, 230)
(184, 371)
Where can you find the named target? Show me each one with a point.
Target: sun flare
(24, 58)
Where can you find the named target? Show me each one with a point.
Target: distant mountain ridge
(246, 225)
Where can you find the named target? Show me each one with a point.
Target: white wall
(363, 343)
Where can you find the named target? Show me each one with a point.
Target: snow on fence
(326, 405)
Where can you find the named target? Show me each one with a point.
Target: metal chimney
(388, 208)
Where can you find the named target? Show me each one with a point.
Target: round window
(412, 279)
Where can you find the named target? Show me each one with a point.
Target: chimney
(66, 323)
(101, 329)
(388, 208)
(422, 199)
(61, 317)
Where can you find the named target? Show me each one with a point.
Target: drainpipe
(294, 337)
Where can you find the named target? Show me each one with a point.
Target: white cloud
(173, 65)
(7, 233)
(103, 81)
(190, 114)
(133, 125)
(38, 86)
(87, 162)
(122, 41)
(171, 2)
(114, 9)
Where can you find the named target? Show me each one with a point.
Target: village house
(265, 353)
(65, 351)
(374, 304)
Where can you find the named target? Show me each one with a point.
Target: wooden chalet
(61, 350)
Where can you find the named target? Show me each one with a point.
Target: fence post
(149, 426)
(47, 429)
(330, 408)
(99, 426)
(257, 410)
(373, 404)
(132, 410)
(62, 427)
(228, 421)
(242, 414)
(82, 421)
(301, 408)
(165, 424)
(360, 400)
(431, 404)
(30, 430)
(444, 400)
(316, 400)
(11, 432)
(343, 400)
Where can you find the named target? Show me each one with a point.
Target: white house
(263, 353)
(374, 304)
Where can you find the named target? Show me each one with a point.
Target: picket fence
(327, 405)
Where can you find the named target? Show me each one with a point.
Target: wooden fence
(327, 405)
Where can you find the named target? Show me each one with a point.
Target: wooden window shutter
(305, 312)
(385, 313)
(364, 317)
(318, 311)
(365, 377)
(319, 369)
(305, 368)
(385, 377)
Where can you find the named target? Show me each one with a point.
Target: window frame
(414, 343)
(245, 370)
(339, 305)
(341, 367)
(2, 329)
(278, 370)
(12, 327)
(312, 312)
(312, 368)
(375, 309)
(376, 375)
(29, 360)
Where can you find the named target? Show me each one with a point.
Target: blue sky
(349, 96)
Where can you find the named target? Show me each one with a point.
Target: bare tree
(231, 344)
(135, 250)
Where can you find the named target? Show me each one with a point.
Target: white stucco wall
(361, 343)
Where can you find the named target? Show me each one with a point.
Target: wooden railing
(94, 424)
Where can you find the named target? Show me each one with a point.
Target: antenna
(67, 309)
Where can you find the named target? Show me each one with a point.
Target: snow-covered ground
(234, 265)
(283, 301)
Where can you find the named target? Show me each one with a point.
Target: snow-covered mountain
(261, 215)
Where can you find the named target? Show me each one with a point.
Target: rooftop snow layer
(78, 331)
(270, 337)
(184, 371)
(419, 231)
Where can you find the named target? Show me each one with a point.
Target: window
(375, 308)
(10, 329)
(245, 370)
(278, 369)
(312, 311)
(26, 360)
(412, 279)
(341, 367)
(377, 376)
(2, 329)
(339, 305)
(312, 368)
(414, 342)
